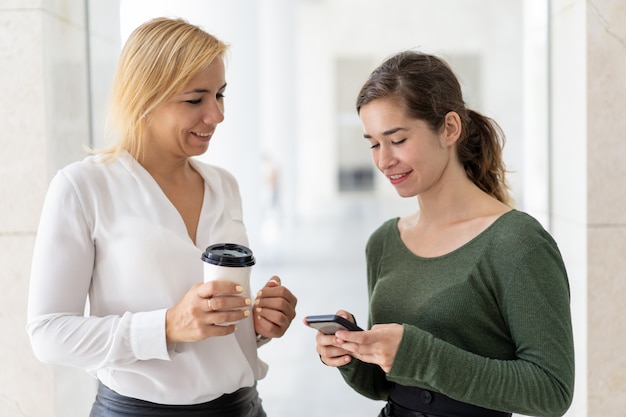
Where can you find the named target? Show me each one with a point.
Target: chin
(197, 151)
(406, 194)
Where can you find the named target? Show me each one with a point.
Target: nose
(384, 157)
(214, 112)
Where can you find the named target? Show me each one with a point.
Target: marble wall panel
(26, 385)
(21, 4)
(67, 91)
(75, 391)
(607, 321)
(43, 118)
(606, 58)
(22, 120)
(104, 50)
(606, 199)
(70, 11)
(23, 183)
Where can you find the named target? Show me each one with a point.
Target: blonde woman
(126, 228)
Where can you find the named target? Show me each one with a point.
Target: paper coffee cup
(229, 262)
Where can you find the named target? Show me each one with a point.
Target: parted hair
(428, 89)
(159, 58)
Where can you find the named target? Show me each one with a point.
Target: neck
(166, 168)
(457, 201)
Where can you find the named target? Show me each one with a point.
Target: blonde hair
(159, 58)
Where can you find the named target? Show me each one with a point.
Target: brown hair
(159, 58)
(427, 87)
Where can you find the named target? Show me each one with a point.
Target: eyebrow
(386, 132)
(204, 90)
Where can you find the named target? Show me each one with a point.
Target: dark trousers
(416, 402)
(244, 402)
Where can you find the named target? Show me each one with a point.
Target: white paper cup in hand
(229, 262)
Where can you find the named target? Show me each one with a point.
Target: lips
(398, 178)
(203, 137)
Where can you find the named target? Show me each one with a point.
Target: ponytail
(480, 153)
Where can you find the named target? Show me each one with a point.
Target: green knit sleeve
(366, 379)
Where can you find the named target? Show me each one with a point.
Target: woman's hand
(199, 313)
(330, 352)
(274, 309)
(378, 345)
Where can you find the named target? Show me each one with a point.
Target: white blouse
(109, 233)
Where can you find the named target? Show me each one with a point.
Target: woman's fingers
(331, 354)
(224, 302)
(209, 309)
(274, 309)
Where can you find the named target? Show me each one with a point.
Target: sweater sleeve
(61, 274)
(365, 378)
(534, 298)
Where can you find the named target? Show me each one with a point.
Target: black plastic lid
(228, 254)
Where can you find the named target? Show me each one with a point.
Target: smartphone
(330, 323)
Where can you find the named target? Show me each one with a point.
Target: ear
(452, 127)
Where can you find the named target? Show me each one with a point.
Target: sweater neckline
(461, 248)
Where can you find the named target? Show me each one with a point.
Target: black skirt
(244, 402)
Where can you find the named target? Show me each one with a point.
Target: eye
(398, 142)
(220, 96)
(374, 145)
(197, 101)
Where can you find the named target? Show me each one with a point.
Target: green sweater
(488, 324)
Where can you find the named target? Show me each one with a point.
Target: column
(588, 90)
(46, 121)
(569, 169)
(606, 206)
(42, 112)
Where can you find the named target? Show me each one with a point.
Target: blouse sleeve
(62, 267)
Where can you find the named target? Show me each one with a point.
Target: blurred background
(550, 72)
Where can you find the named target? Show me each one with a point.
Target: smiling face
(407, 151)
(184, 125)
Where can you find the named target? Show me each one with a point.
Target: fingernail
(246, 313)
(239, 288)
(256, 302)
(259, 293)
(258, 309)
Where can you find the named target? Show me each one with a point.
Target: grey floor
(323, 264)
